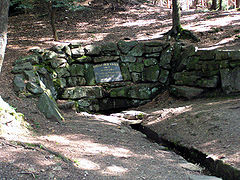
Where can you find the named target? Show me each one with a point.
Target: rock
(166, 58)
(76, 70)
(33, 59)
(89, 74)
(151, 73)
(76, 44)
(119, 92)
(150, 61)
(77, 52)
(57, 48)
(136, 67)
(76, 81)
(128, 58)
(48, 106)
(134, 115)
(151, 49)
(105, 59)
(84, 59)
(19, 68)
(186, 78)
(62, 83)
(88, 105)
(62, 72)
(143, 91)
(192, 63)
(137, 51)
(18, 83)
(49, 54)
(163, 77)
(185, 91)
(125, 72)
(190, 166)
(230, 80)
(211, 82)
(206, 54)
(67, 50)
(34, 88)
(136, 77)
(110, 49)
(58, 62)
(30, 76)
(202, 177)
(83, 92)
(126, 46)
(92, 50)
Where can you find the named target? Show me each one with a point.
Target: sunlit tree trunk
(214, 5)
(176, 16)
(4, 5)
(52, 15)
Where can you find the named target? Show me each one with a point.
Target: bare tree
(177, 31)
(4, 5)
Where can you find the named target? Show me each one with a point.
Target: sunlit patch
(57, 139)
(115, 170)
(170, 112)
(86, 164)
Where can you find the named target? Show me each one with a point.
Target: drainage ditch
(214, 167)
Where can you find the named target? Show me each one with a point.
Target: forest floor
(101, 149)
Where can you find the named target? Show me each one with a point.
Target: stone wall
(125, 74)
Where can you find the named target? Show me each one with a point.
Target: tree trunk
(220, 5)
(4, 5)
(214, 5)
(237, 3)
(52, 15)
(176, 16)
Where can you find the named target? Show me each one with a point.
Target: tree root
(34, 146)
(181, 33)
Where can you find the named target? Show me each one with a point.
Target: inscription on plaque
(107, 72)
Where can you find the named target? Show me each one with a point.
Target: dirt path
(100, 148)
(210, 125)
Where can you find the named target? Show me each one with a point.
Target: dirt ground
(214, 127)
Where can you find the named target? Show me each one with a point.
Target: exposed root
(34, 146)
(180, 33)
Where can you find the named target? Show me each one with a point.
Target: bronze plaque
(107, 72)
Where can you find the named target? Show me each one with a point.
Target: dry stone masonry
(123, 74)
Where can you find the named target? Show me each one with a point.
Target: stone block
(18, 83)
(163, 77)
(230, 80)
(151, 73)
(136, 67)
(34, 88)
(185, 91)
(48, 106)
(77, 52)
(126, 58)
(126, 46)
(206, 54)
(80, 92)
(137, 50)
(105, 59)
(19, 68)
(125, 72)
(89, 75)
(150, 61)
(76, 70)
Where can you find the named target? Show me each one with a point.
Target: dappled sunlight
(206, 25)
(86, 164)
(168, 113)
(114, 170)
